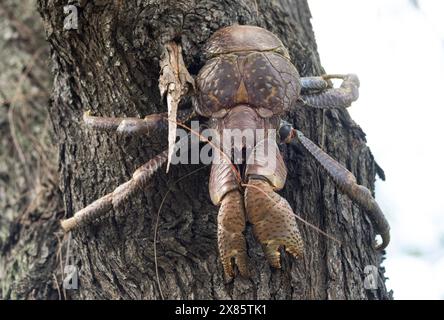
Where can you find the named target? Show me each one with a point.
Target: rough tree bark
(110, 65)
(30, 199)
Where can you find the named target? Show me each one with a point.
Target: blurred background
(397, 49)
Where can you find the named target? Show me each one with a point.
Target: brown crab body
(266, 81)
(247, 84)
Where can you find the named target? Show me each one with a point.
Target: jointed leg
(273, 220)
(112, 200)
(310, 84)
(224, 191)
(230, 234)
(134, 126)
(175, 82)
(328, 97)
(347, 183)
(128, 126)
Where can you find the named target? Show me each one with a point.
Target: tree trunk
(110, 65)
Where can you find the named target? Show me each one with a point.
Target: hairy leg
(324, 96)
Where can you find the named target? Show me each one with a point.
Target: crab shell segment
(237, 38)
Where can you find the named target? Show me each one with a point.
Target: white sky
(397, 50)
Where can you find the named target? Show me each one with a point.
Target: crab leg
(314, 83)
(347, 183)
(175, 82)
(230, 234)
(224, 192)
(273, 220)
(341, 97)
(133, 126)
(126, 126)
(112, 200)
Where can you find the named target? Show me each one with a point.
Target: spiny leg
(328, 97)
(231, 240)
(134, 126)
(346, 182)
(273, 220)
(112, 200)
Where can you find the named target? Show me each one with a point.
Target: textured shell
(259, 79)
(243, 38)
(250, 66)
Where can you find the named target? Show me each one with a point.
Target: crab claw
(274, 223)
(231, 240)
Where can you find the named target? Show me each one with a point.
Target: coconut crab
(248, 82)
